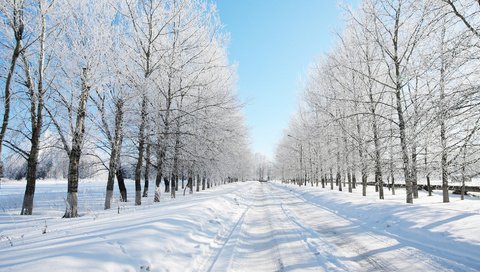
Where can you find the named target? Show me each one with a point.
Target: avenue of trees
(396, 100)
(138, 89)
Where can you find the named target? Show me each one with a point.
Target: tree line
(138, 89)
(395, 100)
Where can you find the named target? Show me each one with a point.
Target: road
(281, 231)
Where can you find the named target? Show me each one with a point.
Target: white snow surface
(248, 226)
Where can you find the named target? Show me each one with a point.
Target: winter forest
(134, 89)
(396, 100)
(127, 142)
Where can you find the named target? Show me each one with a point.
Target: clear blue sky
(273, 42)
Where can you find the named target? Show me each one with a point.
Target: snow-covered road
(248, 227)
(281, 231)
(265, 238)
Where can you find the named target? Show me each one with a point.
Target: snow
(247, 226)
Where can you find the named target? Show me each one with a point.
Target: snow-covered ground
(247, 226)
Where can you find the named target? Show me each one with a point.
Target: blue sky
(273, 42)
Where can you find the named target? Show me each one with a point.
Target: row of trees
(133, 88)
(397, 97)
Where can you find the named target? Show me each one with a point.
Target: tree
(13, 13)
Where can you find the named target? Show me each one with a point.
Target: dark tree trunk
(27, 207)
(364, 184)
(349, 177)
(204, 179)
(393, 184)
(379, 181)
(414, 172)
(177, 181)
(121, 184)
(354, 181)
(183, 178)
(147, 172)
(110, 180)
(189, 184)
(174, 185)
(116, 144)
(36, 115)
(198, 183)
(76, 151)
(429, 186)
(331, 179)
(141, 144)
(339, 181)
(158, 181)
(167, 184)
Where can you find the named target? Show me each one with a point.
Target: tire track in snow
(241, 248)
(326, 256)
(277, 257)
(224, 240)
(235, 230)
(407, 247)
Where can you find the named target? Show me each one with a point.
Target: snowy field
(248, 226)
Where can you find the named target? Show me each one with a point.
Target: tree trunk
(174, 185)
(403, 141)
(116, 144)
(204, 179)
(376, 142)
(429, 186)
(158, 178)
(338, 180)
(121, 184)
(393, 183)
(36, 115)
(177, 181)
(198, 182)
(76, 151)
(349, 177)
(183, 178)
(444, 154)
(462, 193)
(112, 169)
(18, 28)
(27, 207)
(331, 179)
(190, 182)
(158, 181)
(146, 174)
(414, 171)
(364, 184)
(380, 185)
(167, 184)
(141, 144)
